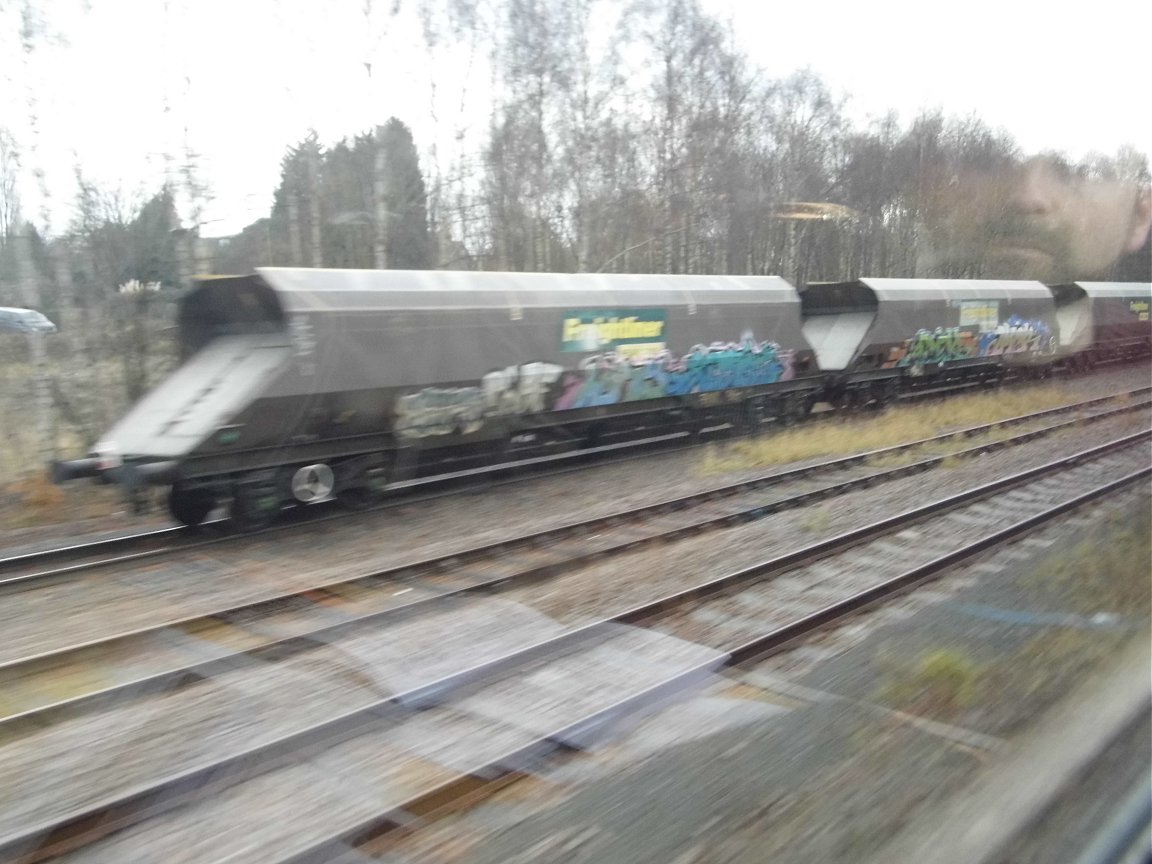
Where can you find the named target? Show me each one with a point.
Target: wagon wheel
(794, 410)
(313, 483)
(190, 506)
(885, 393)
(255, 501)
(365, 489)
(754, 415)
(358, 498)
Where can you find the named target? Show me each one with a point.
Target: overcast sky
(247, 77)
(1065, 76)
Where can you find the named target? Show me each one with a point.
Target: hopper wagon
(1103, 322)
(301, 385)
(877, 338)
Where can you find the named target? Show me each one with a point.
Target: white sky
(1069, 76)
(249, 77)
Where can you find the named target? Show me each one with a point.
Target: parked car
(24, 321)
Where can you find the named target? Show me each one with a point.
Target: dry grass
(816, 520)
(33, 502)
(27, 498)
(36, 492)
(1108, 574)
(875, 431)
(91, 395)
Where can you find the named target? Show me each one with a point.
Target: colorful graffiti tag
(1017, 336)
(608, 378)
(443, 410)
(949, 344)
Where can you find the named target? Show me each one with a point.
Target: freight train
(299, 385)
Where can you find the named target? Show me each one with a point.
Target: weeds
(876, 431)
(33, 499)
(1110, 572)
(938, 684)
(816, 520)
(1106, 574)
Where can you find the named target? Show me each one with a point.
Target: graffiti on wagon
(607, 378)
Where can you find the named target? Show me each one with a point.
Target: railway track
(35, 566)
(645, 646)
(159, 657)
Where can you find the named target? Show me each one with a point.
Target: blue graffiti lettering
(608, 379)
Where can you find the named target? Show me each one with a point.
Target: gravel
(58, 770)
(734, 620)
(383, 769)
(645, 575)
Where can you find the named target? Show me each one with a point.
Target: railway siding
(356, 666)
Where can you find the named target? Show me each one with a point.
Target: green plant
(939, 683)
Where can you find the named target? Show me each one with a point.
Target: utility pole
(294, 227)
(315, 247)
(381, 190)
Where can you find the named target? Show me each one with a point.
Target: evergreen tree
(408, 240)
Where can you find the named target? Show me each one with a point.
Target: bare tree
(9, 169)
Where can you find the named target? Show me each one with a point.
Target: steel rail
(772, 477)
(293, 517)
(779, 639)
(39, 558)
(683, 502)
